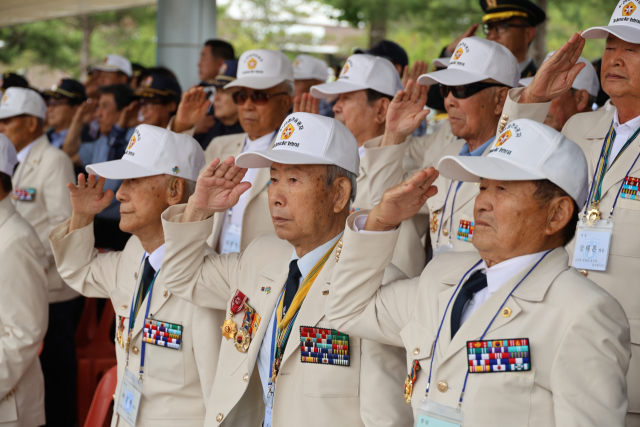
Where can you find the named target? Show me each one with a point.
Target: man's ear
(529, 35)
(177, 189)
(32, 124)
(381, 110)
(560, 213)
(500, 97)
(581, 98)
(173, 107)
(342, 185)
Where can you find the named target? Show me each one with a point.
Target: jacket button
(165, 294)
(585, 273)
(219, 417)
(245, 378)
(443, 386)
(135, 350)
(445, 232)
(416, 351)
(124, 307)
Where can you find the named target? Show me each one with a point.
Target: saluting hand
(192, 108)
(419, 68)
(88, 199)
(405, 113)
(403, 201)
(218, 188)
(305, 104)
(556, 75)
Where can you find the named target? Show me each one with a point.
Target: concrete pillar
(183, 27)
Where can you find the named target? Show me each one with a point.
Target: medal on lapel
(250, 325)
(410, 381)
(594, 214)
(229, 327)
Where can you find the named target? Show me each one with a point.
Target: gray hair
(334, 172)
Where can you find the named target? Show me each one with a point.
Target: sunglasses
(257, 97)
(465, 91)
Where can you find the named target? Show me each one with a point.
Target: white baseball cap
(115, 63)
(362, 71)
(154, 151)
(442, 62)
(8, 155)
(19, 100)
(307, 67)
(262, 69)
(475, 60)
(587, 78)
(526, 150)
(308, 139)
(624, 24)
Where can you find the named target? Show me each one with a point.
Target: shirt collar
(478, 152)
(502, 272)
(22, 155)
(307, 262)
(155, 258)
(632, 124)
(261, 143)
(524, 64)
(361, 151)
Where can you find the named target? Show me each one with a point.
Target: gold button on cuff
(445, 232)
(443, 386)
(506, 312)
(124, 307)
(135, 350)
(219, 417)
(165, 294)
(585, 273)
(245, 378)
(416, 351)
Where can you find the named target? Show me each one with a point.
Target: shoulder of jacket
(17, 231)
(225, 140)
(268, 243)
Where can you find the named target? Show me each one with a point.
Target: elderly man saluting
(275, 291)
(508, 335)
(166, 348)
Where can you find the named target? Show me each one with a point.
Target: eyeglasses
(257, 97)
(501, 28)
(150, 102)
(465, 91)
(53, 102)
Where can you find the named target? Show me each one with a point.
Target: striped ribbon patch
(630, 188)
(163, 334)
(499, 355)
(465, 231)
(324, 346)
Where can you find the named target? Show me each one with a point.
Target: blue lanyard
(273, 341)
(433, 355)
(444, 209)
(146, 315)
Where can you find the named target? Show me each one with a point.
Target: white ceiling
(13, 12)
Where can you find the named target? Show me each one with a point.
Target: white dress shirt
(623, 133)
(305, 264)
(235, 214)
(155, 258)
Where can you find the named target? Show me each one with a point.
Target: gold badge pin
(229, 329)
(242, 341)
(506, 312)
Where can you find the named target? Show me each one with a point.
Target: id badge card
(129, 398)
(592, 245)
(268, 408)
(432, 414)
(232, 236)
(443, 248)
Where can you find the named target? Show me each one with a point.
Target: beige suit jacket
(24, 313)
(589, 130)
(366, 393)
(177, 383)
(48, 170)
(579, 335)
(256, 221)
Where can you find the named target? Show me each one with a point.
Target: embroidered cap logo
(344, 69)
(492, 3)
(131, 142)
(503, 138)
(252, 63)
(287, 132)
(628, 9)
(458, 53)
(5, 98)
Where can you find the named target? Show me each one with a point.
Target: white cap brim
(255, 82)
(5, 113)
(264, 159)
(624, 32)
(326, 90)
(120, 169)
(472, 169)
(451, 77)
(111, 68)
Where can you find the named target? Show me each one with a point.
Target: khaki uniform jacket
(177, 383)
(366, 393)
(24, 313)
(578, 335)
(589, 130)
(256, 220)
(48, 170)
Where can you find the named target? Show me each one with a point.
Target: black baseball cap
(13, 80)
(159, 86)
(388, 50)
(500, 10)
(69, 89)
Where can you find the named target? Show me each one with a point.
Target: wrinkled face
(14, 129)
(304, 86)
(260, 119)
(60, 113)
(142, 201)
(107, 113)
(223, 105)
(300, 203)
(108, 78)
(208, 66)
(620, 68)
(355, 112)
(156, 113)
(506, 215)
(469, 117)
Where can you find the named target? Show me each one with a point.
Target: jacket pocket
(9, 409)
(322, 380)
(165, 363)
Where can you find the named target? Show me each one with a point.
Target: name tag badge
(592, 245)
(232, 236)
(268, 410)
(129, 398)
(433, 414)
(442, 248)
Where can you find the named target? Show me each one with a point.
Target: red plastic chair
(94, 360)
(88, 324)
(101, 404)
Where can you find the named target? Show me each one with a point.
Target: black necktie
(15, 168)
(147, 277)
(475, 283)
(293, 281)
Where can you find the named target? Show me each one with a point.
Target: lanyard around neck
(444, 209)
